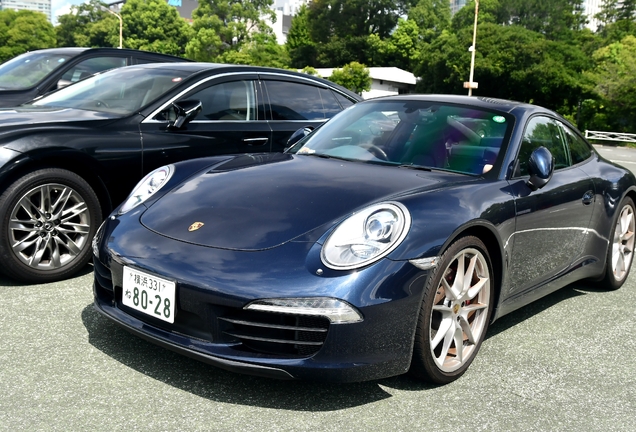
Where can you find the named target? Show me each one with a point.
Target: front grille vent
(102, 275)
(275, 333)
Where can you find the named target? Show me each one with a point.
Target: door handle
(588, 197)
(255, 141)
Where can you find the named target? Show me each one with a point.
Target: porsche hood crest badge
(195, 226)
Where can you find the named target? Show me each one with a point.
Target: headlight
(366, 236)
(147, 187)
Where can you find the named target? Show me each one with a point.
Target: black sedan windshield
(119, 91)
(28, 69)
(413, 133)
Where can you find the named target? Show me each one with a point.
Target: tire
(621, 249)
(449, 302)
(49, 218)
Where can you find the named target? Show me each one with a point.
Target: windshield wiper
(325, 156)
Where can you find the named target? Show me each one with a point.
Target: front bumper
(213, 286)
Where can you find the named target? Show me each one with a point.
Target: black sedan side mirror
(540, 168)
(186, 111)
(298, 135)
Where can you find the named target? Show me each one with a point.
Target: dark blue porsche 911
(383, 242)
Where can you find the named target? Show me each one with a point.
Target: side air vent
(278, 334)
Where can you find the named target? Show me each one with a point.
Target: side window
(91, 66)
(294, 101)
(542, 131)
(579, 149)
(346, 103)
(329, 102)
(233, 100)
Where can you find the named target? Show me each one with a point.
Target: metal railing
(610, 136)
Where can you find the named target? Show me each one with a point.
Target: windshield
(120, 91)
(413, 133)
(26, 70)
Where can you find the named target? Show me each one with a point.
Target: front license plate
(149, 294)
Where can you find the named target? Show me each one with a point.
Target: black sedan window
(235, 100)
(413, 133)
(119, 91)
(27, 70)
(294, 101)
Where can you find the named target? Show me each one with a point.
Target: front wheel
(455, 312)
(621, 249)
(49, 217)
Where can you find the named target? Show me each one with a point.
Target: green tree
(225, 25)
(22, 31)
(261, 50)
(431, 17)
(348, 30)
(354, 76)
(87, 26)
(511, 62)
(615, 83)
(301, 48)
(354, 18)
(153, 25)
(401, 49)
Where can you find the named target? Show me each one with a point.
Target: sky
(61, 7)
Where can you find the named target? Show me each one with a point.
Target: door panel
(551, 223)
(231, 121)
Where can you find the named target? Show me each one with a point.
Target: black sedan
(70, 157)
(36, 73)
(385, 241)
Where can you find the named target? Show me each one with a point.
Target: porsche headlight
(366, 236)
(147, 187)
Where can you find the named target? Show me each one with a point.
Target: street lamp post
(470, 84)
(121, 23)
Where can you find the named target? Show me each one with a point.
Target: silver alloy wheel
(49, 226)
(623, 245)
(460, 310)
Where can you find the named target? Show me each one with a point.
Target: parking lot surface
(564, 363)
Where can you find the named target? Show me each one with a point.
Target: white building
(385, 81)
(43, 6)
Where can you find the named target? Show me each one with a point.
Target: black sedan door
(296, 103)
(551, 222)
(232, 120)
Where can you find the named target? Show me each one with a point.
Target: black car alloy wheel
(49, 217)
(455, 312)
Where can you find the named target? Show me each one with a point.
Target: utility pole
(470, 85)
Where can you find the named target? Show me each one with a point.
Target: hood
(38, 116)
(255, 202)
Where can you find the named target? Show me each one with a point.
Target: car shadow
(222, 386)
(9, 282)
(217, 384)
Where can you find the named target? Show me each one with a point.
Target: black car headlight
(366, 236)
(147, 187)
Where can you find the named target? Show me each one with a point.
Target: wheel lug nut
(54, 233)
(47, 215)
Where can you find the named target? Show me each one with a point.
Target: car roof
(476, 101)
(195, 67)
(84, 50)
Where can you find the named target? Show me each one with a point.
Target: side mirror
(185, 111)
(298, 135)
(540, 168)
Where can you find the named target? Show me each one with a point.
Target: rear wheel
(621, 250)
(455, 312)
(49, 217)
